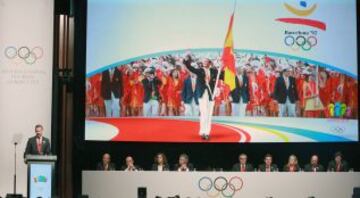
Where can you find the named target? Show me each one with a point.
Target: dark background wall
(209, 156)
(203, 156)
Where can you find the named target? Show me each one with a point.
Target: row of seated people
(338, 164)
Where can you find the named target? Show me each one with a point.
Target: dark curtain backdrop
(210, 156)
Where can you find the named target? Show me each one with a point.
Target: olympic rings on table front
(220, 184)
(209, 185)
(223, 186)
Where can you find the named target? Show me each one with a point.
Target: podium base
(14, 196)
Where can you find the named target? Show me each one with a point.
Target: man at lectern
(38, 145)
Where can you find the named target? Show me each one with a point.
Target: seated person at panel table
(292, 165)
(129, 165)
(338, 164)
(183, 165)
(314, 165)
(268, 165)
(242, 166)
(106, 164)
(160, 163)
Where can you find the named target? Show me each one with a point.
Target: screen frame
(80, 72)
(82, 148)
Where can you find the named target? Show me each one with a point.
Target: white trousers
(238, 109)
(191, 109)
(112, 107)
(288, 108)
(206, 110)
(151, 108)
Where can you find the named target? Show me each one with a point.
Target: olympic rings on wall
(30, 56)
(10, 52)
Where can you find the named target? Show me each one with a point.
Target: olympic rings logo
(30, 56)
(337, 129)
(300, 41)
(220, 185)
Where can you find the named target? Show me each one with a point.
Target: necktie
(292, 169)
(240, 80)
(287, 82)
(193, 84)
(152, 89)
(242, 168)
(111, 71)
(39, 145)
(338, 167)
(207, 74)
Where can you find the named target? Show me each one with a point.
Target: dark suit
(310, 168)
(273, 167)
(165, 167)
(287, 169)
(31, 147)
(281, 93)
(201, 75)
(101, 166)
(241, 92)
(113, 85)
(190, 167)
(248, 167)
(344, 167)
(151, 87)
(188, 94)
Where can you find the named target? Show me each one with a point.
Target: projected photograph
(217, 78)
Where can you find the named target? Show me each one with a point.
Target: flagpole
(234, 6)
(317, 80)
(216, 82)
(221, 66)
(317, 86)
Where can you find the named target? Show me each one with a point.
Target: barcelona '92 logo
(302, 39)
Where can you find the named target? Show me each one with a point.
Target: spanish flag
(228, 58)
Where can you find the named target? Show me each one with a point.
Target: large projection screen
(132, 43)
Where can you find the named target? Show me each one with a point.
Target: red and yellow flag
(228, 58)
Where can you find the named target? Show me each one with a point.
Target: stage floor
(224, 129)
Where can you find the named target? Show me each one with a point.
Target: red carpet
(170, 130)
